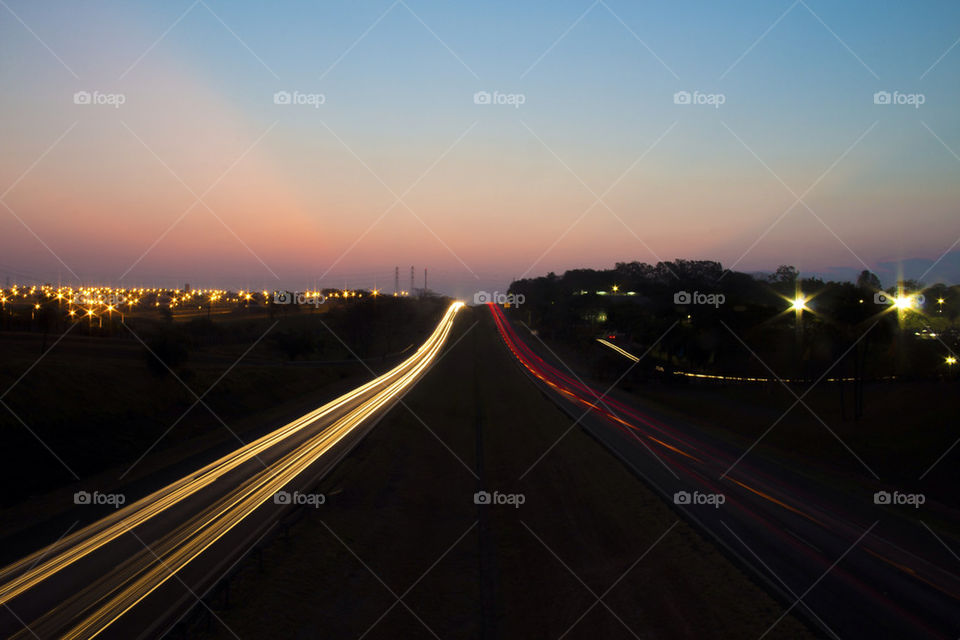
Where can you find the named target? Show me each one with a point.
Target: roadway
(131, 574)
(851, 568)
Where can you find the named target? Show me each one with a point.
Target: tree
(910, 285)
(869, 281)
(785, 274)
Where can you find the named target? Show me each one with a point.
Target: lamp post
(799, 305)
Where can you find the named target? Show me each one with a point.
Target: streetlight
(798, 304)
(903, 302)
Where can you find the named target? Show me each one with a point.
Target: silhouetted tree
(869, 281)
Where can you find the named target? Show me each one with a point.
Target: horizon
(924, 272)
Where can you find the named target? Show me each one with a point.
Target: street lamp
(903, 302)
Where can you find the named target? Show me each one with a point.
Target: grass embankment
(905, 427)
(402, 498)
(121, 427)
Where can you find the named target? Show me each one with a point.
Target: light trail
(774, 492)
(95, 607)
(712, 376)
(624, 353)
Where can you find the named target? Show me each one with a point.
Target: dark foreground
(400, 549)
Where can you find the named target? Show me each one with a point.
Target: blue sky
(498, 191)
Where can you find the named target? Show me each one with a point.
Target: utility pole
(411, 280)
(424, 281)
(396, 281)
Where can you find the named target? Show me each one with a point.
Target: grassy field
(400, 517)
(92, 405)
(906, 425)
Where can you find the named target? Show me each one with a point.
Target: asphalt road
(850, 567)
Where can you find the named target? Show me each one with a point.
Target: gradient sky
(302, 196)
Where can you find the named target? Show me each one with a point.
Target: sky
(154, 142)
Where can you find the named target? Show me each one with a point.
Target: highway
(131, 574)
(849, 567)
